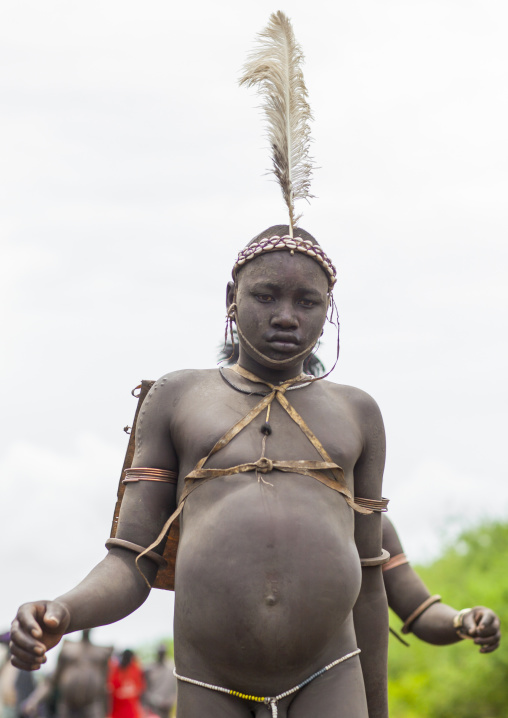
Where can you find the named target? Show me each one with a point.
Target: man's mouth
(284, 341)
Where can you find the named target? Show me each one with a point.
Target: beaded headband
(294, 244)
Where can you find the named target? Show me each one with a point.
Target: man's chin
(279, 356)
(286, 355)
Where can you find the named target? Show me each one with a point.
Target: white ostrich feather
(274, 67)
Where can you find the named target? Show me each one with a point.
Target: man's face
(282, 302)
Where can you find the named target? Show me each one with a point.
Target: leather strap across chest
(326, 471)
(314, 469)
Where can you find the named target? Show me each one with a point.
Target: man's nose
(285, 317)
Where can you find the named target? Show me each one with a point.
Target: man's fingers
(468, 623)
(484, 617)
(28, 665)
(489, 649)
(37, 627)
(488, 643)
(29, 616)
(482, 625)
(27, 657)
(56, 617)
(22, 636)
(486, 622)
(488, 640)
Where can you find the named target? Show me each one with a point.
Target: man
(79, 681)
(272, 542)
(160, 694)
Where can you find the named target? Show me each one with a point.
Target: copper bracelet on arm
(398, 560)
(145, 473)
(380, 505)
(133, 475)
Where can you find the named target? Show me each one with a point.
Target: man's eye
(264, 297)
(307, 302)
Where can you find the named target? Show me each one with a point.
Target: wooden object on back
(166, 574)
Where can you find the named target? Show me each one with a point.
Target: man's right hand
(483, 626)
(38, 626)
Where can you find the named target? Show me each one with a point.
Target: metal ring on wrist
(458, 621)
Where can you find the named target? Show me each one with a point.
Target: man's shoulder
(180, 381)
(184, 377)
(349, 393)
(358, 400)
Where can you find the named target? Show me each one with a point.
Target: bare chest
(206, 414)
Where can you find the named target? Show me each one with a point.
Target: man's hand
(37, 627)
(482, 625)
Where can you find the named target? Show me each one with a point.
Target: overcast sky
(132, 171)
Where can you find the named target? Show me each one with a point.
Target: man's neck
(269, 374)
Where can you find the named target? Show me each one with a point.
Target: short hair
(282, 230)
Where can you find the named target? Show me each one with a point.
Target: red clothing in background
(126, 686)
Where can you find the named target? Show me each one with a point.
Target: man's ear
(230, 294)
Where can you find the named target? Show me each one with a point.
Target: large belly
(266, 575)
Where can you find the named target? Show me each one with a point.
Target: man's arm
(115, 587)
(371, 611)
(406, 592)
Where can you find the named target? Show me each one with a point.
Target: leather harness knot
(264, 465)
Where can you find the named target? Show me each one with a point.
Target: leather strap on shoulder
(121, 543)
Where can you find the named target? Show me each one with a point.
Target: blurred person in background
(15, 685)
(126, 686)
(79, 683)
(160, 694)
